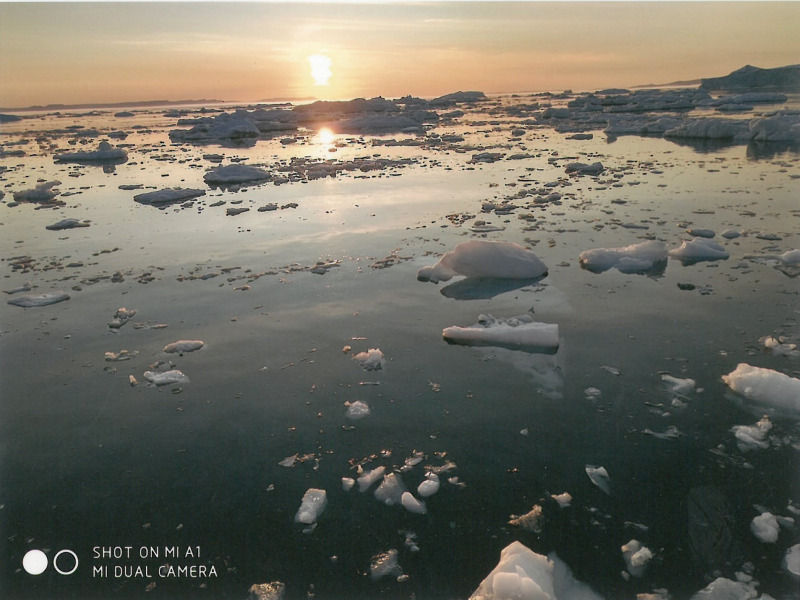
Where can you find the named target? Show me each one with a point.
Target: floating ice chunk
(784, 127)
(413, 505)
(289, 461)
(710, 128)
(751, 437)
(391, 489)
(369, 477)
(267, 591)
(182, 346)
(235, 173)
(726, 589)
(564, 500)
(670, 433)
(165, 378)
(66, 224)
(650, 256)
(385, 564)
(480, 258)
(584, 169)
(636, 556)
(31, 301)
(311, 506)
(105, 153)
(25, 287)
(372, 360)
(168, 196)
(700, 232)
(121, 317)
(519, 332)
(121, 355)
(530, 521)
(765, 386)
(430, 486)
(357, 410)
(791, 561)
(777, 346)
(790, 257)
(43, 192)
(348, 483)
(599, 477)
(523, 574)
(697, 250)
(765, 528)
(730, 234)
(676, 385)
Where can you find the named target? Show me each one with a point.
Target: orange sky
(113, 52)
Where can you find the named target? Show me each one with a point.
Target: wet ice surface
(328, 258)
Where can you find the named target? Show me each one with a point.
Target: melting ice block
(430, 486)
(391, 489)
(636, 556)
(751, 437)
(480, 258)
(357, 410)
(165, 378)
(182, 346)
(522, 574)
(371, 360)
(235, 173)
(369, 477)
(311, 506)
(516, 332)
(105, 153)
(31, 301)
(646, 257)
(599, 477)
(699, 249)
(765, 386)
(413, 505)
(167, 196)
(765, 528)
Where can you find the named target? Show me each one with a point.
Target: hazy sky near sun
(113, 52)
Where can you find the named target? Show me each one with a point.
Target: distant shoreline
(139, 104)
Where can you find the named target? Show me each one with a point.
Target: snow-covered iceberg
(646, 257)
(765, 387)
(520, 332)
(480, 258)
(522, 574)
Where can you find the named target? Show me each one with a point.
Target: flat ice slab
(105, 153)
(236, 173)
(699, 249)
(168, 196)
(520, 332)
(637, 258)
(522, 574)
(182, 346)
(165, 378)
(30, 301)
(311, 506)
(765, 386)
(480, 258)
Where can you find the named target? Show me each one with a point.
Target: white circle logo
(34, 562)
(65, 572)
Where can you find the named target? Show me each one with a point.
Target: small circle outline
(65, 551)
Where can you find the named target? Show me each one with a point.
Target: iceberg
(367, 478)
(751, 437)
(105, 153)
(479, 258)
(791, 561)
(765, 386)
(236, 173)
(430, 486)
(646, 257)
(31, 301)
(697, 250)
(765, 528)
(168, 196)
(357, 410)
(385, 564)
(391, 489)
(636, 556)
(522, 574)
(311, 506)
(520, 332)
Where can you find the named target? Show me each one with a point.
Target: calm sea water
(189, 475)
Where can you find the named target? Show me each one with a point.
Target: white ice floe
(413, 505)
(637, 258)
(791, 561)
(516, 332)
(563, 500)
(240, 125)
(367, 478)
(699, 249)
(166, 377)
(765, 527)
(182, 346)
(783, 127)
(678, 386)
(66, 224)
(701, 232)
(430, 486)
(357, 410)
(311, 506)
(168, 196)
(636, 556)
(372, 360)
(765, 386)
(599, 477)
(31, 301)
(235, 173)
(727, 589)
(391, 489)
(385, 564)
(751, 437)
(522, 574)
(348, 483)
(779, 347)
(710, 128)
(481, 258)
(43, 192)
(105, 153)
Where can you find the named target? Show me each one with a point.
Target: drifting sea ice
(105, 153)
(167, 196)
(369, 477)
(357, 410)
(751, 437)
(726, 589)
(372, 360)
(522, 574)
(479, 258)
(31, 301)
(697, 250)
(311, 506)
(636, 556)
(413, 505)
(391, 489)
(519, 332)
(676, 385)
(43, 192)
(563, 500)
(765, 528)
(182, 346)
(165, 378)
(791, 561)
(430, 486)
(385, 564)
(765, 386)
(646, 257)
(235, 173)
(599, 477)
(66, 224)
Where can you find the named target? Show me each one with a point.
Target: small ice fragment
(121, 355)
(636, 556)
(357, 410)
(289, 461)
(646, 257)
(480, 258)
(616, 372)
(730, 234)
(348, 483)
(701, 232)
(369, 477)
(791, 561)
(121, 317)
(776, 346)
(765, 386)
(722, 587)
(592, 393)
(105, 153)
(182, 346)
(599, 477)
(765, 528)
(31, 301)
(371, 360)
(235, 173)
(311, 506)
(413, 505)
(530, 521)
(430, 486)
(267, 591)
(25, 287)
(676, 385)
(66, 224)
(515, 332)
(165, 378)
(564, 500)
(670, 433)
(384, 564)
(391, 489)
(167, 196)
(751, 437)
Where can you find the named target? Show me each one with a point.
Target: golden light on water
(325, 136)
(320, 68)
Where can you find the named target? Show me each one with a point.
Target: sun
(320, 68)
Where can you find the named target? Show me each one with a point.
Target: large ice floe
(520, 332)
(311, 506)
(168, 196)
(697, 250)
(645, 258)
(105, 153)
(765, 387)
(522, 574)
(43, 192)
(235, 173)
(485, 259)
